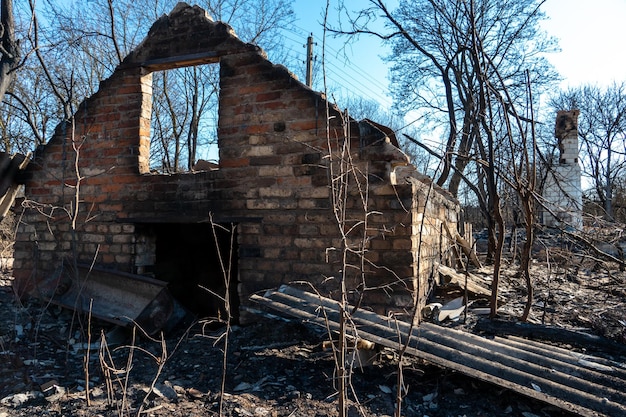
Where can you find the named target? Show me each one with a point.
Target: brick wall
(276, 168)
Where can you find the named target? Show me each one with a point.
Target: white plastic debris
(18, 400)
(452, 310)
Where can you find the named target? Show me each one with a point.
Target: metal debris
(114, 296)
(518, 366)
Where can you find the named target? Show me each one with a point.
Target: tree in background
(445, 54)
(9, 60)
(470, 69)
(602, 135)
(435, 75)
(9, 48)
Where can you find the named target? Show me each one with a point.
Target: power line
(340, 80)
(342, 74)
(350, 78)
(335, 53)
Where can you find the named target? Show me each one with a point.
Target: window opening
(183, 124)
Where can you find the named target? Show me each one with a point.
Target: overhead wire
(335, 52)
(349, 78)
(342, 74)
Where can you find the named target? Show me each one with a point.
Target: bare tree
(9, 47)
(10, 53)
(437, 74)
(499, 108)
(433, 70)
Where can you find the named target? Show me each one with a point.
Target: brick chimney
(562, 190)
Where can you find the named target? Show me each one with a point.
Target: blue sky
(359, 66)
(591, 35)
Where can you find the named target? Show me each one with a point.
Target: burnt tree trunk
(8, 47)
(529, 213)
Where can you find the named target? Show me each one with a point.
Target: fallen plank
(466, 247)
(565, 384)
(473, 283)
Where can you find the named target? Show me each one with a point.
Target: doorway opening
(197, 261)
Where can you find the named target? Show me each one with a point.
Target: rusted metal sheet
(585, 385)
(113, 296)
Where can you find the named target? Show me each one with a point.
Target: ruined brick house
(272, 185)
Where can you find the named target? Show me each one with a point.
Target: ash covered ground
(274, 367)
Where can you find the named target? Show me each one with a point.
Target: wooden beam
(464, 244)
(180, 61)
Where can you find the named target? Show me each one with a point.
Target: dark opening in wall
(194, 260)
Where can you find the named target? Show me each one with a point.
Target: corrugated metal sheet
(586, 385)
(115, 296)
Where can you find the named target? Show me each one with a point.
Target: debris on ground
(273, 367)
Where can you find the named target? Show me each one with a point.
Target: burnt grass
(274, 367)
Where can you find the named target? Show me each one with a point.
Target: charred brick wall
(277, 165)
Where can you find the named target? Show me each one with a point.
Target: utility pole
(309, 61)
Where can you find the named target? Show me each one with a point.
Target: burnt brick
(312, 158)
(266, 160)
(249, 251)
